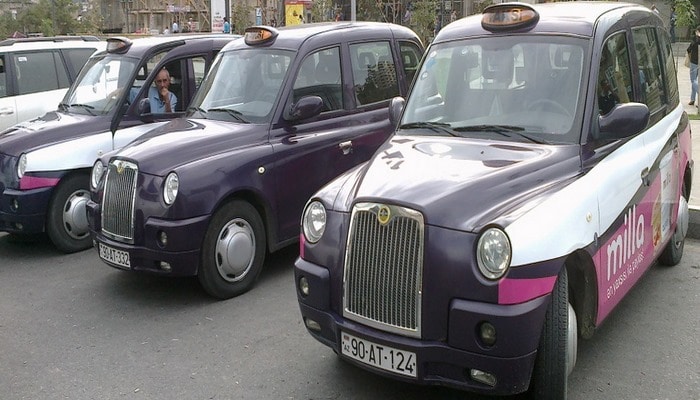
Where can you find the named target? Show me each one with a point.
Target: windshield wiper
(87, 107)
(234, 113)
(193, 108)
(439, 127)
(504, 130)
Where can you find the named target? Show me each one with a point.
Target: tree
(50, 17)
(240, 17)
(686, 19)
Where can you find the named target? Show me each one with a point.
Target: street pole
(353, 10)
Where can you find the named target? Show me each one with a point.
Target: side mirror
(305, 108)
(624, 120)
(395, 110)
(144, 106)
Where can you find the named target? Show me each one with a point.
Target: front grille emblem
(383, 215)
(120, 168)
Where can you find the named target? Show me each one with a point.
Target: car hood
(52, 127)
(462, 184)
(183, 141)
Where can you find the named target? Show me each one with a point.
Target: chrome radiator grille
(118, 201)
(384, 268)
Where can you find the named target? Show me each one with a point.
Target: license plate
(115, 256)
(380, 356)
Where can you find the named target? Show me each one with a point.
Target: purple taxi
(281, 113)
(541, 164)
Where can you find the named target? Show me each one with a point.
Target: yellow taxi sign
(259, 34)
(509, 16)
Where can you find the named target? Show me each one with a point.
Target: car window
(410, 55)
(3, 79)
(374, 72)
(649, 64)
(614, 77)
(76, 58)
(199, 66)
(39, 71)
(319, 75)
(669, 69)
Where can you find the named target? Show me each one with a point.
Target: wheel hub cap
(571, 340)
(75, 220)
(235, 250)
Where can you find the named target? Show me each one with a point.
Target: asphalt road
(73, 328)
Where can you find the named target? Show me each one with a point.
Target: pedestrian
(166, 31)
(175, 28)
(453, 16)
(692, 51)
(227, 25)
(190, 25)
(672, 25)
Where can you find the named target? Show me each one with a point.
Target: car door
(8, 115)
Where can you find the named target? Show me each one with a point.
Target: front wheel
(233, 251)
(556, 354)
(66, 220)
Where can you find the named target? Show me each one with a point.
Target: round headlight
(493, 253)
(172, 184)
(314, 221)
(97, 170)
(21, 166)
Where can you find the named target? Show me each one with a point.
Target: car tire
(673, 252)
(233, 251)
(556, 354)
(66, 219)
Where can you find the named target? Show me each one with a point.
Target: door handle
(7, 111)
(645, 177)
(346, 147)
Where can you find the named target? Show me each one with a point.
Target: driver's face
(162, 80)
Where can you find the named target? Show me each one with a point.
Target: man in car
(161, 98)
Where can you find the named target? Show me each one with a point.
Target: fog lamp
(483, 377)
(304, 286)
(14, 205)
(162, 238)
(487, 332)
(312, 325)
(165, 266)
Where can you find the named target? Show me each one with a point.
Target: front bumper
(179, 257)
(24, 211)
(446, 361)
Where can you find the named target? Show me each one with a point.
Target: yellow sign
(294, 14)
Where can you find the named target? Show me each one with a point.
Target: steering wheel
(545, 104)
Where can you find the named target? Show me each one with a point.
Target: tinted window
(614, 77)
(374, 72)
(410, 55)
(319, 75)
(669, 70)
(76, 58)
(649, 65)
(3, 80)
(38, 72)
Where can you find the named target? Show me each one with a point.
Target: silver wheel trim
(235, 250)
(681, 223)
(571, 340)
(75, 222)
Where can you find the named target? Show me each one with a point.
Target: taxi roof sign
(509, 16)
(118, 44)
(260, 34)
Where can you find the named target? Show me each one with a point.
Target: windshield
(95, 90)
(528, 88)
(243, 85)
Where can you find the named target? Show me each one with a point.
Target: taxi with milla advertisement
(541, 164)
(45, 162)
(281, 113)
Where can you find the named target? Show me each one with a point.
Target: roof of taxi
(292, 36)
(575, 17)
(140, 46)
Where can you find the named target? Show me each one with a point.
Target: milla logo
(627, 243)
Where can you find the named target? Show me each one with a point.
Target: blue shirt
(227, 27)
(157, 105)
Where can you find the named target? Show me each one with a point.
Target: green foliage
(479, 6)
(322, 11)
(240, 17)
(423, 19)
(8, 25)
(685, 15)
